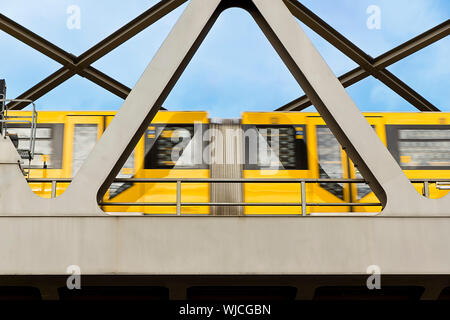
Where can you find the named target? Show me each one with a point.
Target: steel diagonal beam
(346, 80)
(105, 82)
(82, 64)
(327, 32)
(427, 38)
(412, 46)
(368, 65)
(33, 40)
(128, 31)
(61, 75)
(68, 60)
(405, 91)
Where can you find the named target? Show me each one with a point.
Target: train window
(275, 147)
(174, 147)
(84, 140)
(127, 171)
(330, 160)
(363, 188)
(420, 147)
(48, 144)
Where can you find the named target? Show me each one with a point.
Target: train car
(64, 140)
(307, 149)
(420, 143)
(261, 145)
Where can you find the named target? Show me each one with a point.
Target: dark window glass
(173, 146)
(275, 147)
(330, 160)
(48, 144)
(420, 147)
(127, 171)
(424, 148)
(424, 153)
(363, 188)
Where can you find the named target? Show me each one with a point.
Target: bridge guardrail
(303, 201)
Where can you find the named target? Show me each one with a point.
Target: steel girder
(368, 66)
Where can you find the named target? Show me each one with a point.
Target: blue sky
(235, 69)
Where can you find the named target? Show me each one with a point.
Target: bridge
(184, 254)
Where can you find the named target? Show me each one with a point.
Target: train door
(48, 152)
(127, 192)
(83, 132)
(226, 146)
(275, 148)
(171, 148)
(361, 192)
(329, 161)
(174, 145)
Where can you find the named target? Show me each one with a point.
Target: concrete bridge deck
(181, 252)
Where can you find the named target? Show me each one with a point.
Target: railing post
(179, 197)
(54, 189)
(426, 189)
(303, 199)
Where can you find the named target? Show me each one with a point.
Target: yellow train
(273, 145)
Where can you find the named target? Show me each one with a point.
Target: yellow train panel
(308, 127)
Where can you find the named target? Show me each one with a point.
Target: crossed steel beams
(368, 65)
(69, 69)
(81, 65)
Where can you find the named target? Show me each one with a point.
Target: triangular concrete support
(304, 62)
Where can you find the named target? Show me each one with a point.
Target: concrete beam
(224, 245)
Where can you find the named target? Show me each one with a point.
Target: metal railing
(443, 185)
(5, 119)
(303, 201)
